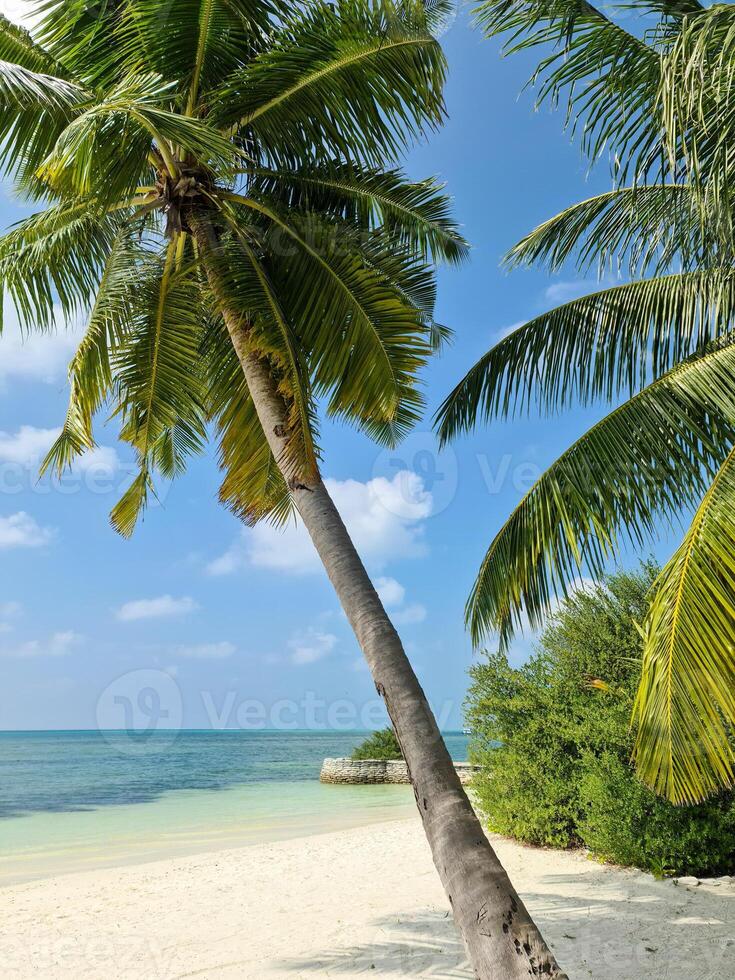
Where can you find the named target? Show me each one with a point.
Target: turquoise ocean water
(72, 801)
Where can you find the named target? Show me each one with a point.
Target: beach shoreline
(361, 900)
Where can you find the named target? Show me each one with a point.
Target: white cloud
(409, 615)
(563, 292)
(36, 356)
(100, 461)
(391, 592)
(9, 610)
(229, 562)
(159, 607)
(206, 651)
(23, 531)
(29, 445)
(393, 595)
(58, 645)
(385, 519)
(311, 646)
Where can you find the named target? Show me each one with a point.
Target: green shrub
(554, 749)
(380, 745)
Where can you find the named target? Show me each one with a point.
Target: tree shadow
(632, 928)
(421, 945)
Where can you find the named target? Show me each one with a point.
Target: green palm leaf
(640, 229)
(686, 703)
(697, 98)
(652, 456)
(376, 65)
(18, 47)
(90, 372)
(254, 487)
(594, 347)
(609, 76)
(56, 257)
(414, 214)
(87, 157)
(195, 43)
(158, 379)
(366, 368)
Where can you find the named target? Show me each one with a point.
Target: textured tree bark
(502, 941)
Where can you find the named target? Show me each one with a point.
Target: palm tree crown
(660, 98)
(267, 127)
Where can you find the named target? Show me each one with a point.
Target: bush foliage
(554, 740)
(380, 745)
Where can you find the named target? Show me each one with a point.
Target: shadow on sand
(649, 929)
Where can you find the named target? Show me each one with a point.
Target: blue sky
(202, 622)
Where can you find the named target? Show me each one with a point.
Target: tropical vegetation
(220, 198)
(553, 739)
(656, 94)
(380, 745)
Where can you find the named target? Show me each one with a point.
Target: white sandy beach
(364, 901)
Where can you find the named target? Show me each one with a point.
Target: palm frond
(637, 229)
(158, 385)
(83, 37)
(608, 75)
(594, 347)
(21, 88)
(90, 158)
(245, 286)
(365, 342)
(35, 108)
(696, 95)
(415, 214)
(254, 487)
(375, 64)
(18, 47)
(651, 457)
(685, 707)
(195, 43)
(57, 257)
(90, 372)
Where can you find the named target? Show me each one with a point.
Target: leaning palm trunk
(147, 124)
(502, 941)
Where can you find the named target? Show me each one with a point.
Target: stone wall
(372, 771)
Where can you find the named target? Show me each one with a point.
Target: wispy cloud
(206, 651)
(385, 519)
(28, 446)
(57, 645)
(23, 531)
(311, 646)
(393, 597)
(157, 608)
(40, 357)
(566, 290)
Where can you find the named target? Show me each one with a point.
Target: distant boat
(466, 731)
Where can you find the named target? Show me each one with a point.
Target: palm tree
(213, 171)
(662, 101)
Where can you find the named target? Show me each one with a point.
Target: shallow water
(73, 801)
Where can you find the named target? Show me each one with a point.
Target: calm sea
(72, 801)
